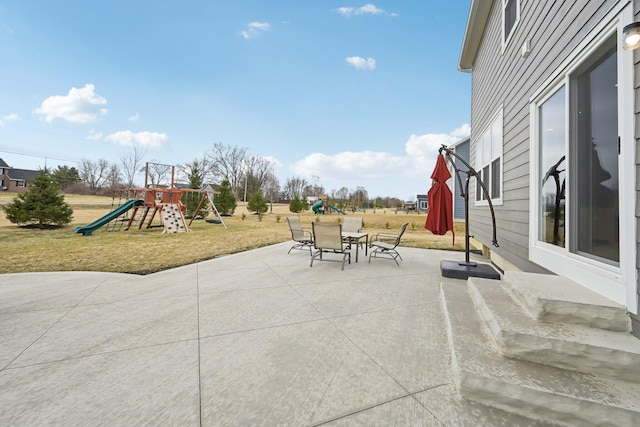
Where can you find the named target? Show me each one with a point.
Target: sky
(340, 93)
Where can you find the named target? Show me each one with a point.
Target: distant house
(423, 203)
(15, 180)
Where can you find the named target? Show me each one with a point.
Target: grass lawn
(145, 250)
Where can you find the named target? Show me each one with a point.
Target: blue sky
(356, 94)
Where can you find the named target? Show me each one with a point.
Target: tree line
(244, 174)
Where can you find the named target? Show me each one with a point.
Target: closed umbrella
(440, 201)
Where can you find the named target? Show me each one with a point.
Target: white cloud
(367, 9)
(347, 168)
(134, 118)
(94, 135)
(423, 149)
(361, 63)
(255, 29)
(78, 106)
(141, 139)
(13, 117)
(277, 164)
(349, 165)
(463, 131)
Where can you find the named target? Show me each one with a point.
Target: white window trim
(505, 42)
(616, 283)
(497, 201)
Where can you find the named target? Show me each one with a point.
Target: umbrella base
(462, 270)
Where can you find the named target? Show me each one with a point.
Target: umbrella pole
(468, 268)
(467, 237)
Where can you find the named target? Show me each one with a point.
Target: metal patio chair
(384, 245)
(303, 238)
(327, 238)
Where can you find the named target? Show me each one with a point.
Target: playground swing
(207, 196)
(148, 201)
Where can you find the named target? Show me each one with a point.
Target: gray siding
(507, 79)
(462, 150)
(636, 87)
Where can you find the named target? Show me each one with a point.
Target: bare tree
(228, 163)
(360, 196)
(157, 173)
(341, 195)
(294, 187)
(196, 172)
(313, 190)
(94, 174)
(131, 165)
(271, 189)
(113, 178)
(257, 170)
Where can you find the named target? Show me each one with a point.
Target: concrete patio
(256, 338)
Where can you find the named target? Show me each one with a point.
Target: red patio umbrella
(440, 201)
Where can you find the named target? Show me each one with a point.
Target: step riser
(537, 391)
(592, 311)
(538, 405)
(608, 318)
(570, 355)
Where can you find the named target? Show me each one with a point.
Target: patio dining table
(354, 237)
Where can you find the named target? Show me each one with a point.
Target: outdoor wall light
(631, 36)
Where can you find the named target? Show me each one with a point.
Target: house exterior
(461, 148)
(15, 180)
(555, 100)
(423, 202)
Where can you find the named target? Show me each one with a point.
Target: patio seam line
(92, 290)
(324, 317)
(244, 290)
(380, 366)
(199, 351)
(376, 405)
(372, 311)
(104, 353)
(369, 357)
(222, 334)
(139, 300)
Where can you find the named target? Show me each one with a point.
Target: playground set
(322, 206)
(143, 204)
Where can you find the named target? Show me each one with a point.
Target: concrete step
(567, 346)
(550, 298)
(539, 392)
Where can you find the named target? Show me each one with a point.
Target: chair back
(327, 235)
(402, 230)
(352, 224)
(295, 225)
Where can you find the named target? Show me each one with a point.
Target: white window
(21, 184)
(510, 19)
(489, 161)
(582, 167)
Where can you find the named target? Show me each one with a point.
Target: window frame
(506, 38)
(481, 165)
(616, 282)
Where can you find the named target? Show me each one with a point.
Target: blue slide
(88, 229)
(316, 207)
(337, 210)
